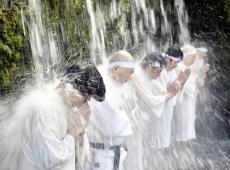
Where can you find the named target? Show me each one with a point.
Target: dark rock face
(209, 24)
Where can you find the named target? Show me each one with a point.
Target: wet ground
(202, 155)
(213, 155)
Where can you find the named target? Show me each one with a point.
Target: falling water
(98, 30)
(140, 36)
(184, 35)
(15, 108)
(44, 49)
(136, 38)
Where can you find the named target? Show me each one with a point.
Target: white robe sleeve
(49, 149)
(154, 98)
(154, 103)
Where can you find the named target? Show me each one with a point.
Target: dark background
(208, 24)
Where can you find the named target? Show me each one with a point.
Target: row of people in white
(143, 108)
(43, 134)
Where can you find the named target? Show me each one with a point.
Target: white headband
(156, 64)
(173, 58)
(123, 64)
(202, 50)
(190, 53)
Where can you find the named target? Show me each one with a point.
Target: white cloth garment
(46, 145)
(155, 136)
(145, 102)
(109, 123)
(197, 65)
(133, 105)
(165, 78)
(184, 113)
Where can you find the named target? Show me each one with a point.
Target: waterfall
(44, 49)
(184, 35)
(97, 45)
(141, 37)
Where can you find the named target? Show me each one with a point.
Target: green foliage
(70, 16)
(126, 5)
(12, 43)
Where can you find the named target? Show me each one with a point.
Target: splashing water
(15, 108)
(45, 52)
(149, 29)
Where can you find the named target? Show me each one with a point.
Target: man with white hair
(185, 110)
(110, 124)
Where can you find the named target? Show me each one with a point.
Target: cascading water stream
(140, 36)
(44, 49)
(140, 31)
(184, 35)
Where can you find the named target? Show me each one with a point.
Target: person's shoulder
(41, 99)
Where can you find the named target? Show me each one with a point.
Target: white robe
(146, 100)
(156, 136)
(45, 143)
(165, 78)
(184, 113)
(109, 124)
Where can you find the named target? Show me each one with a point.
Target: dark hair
(152, 58)
(175, 52)
(87, 80)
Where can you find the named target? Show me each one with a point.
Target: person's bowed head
(173, 56)
(152, 64)
(190, 54)
(79, 85)
(121, 66)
